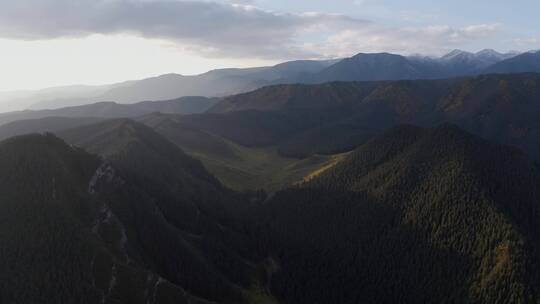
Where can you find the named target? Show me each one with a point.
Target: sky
(46, 43)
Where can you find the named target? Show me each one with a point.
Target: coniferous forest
(413, 215)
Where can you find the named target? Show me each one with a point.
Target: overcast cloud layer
(229, 29)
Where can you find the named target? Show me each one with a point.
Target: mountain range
(165, 87)
(218, 83)
(503, 108)
(273, 136)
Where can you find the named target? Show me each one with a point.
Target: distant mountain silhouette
(214, 83)
(223, 82)
(384, 66)
(527, 62)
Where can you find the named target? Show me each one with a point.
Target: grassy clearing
(262, 168)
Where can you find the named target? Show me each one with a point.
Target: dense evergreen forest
(413, 215)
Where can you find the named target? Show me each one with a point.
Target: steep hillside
(143, 223)
(412, 216)
(59, 242)
(185, 225)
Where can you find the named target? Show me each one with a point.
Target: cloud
(527, 42)
(433, 40)
(232, 28)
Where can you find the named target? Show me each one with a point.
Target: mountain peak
(488, 52)
(375, 55)
(494, 56)
(456, 54)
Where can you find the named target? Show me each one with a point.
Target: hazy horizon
(98, 84)
(109, 41)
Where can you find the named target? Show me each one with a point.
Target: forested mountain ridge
(503, 108)
(411, 216)
(59, 243)
(242, 133)
(186, 225)
(143, 223)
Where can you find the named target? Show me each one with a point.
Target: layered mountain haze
(214, 83)
(50, 98)
(242, 138)
(183, 105)
(223, 82)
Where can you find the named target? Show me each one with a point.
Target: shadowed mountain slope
(498, 107)
(186, 226)
(61, 243)
(143, 222)
(527, 62)
(412, 216)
